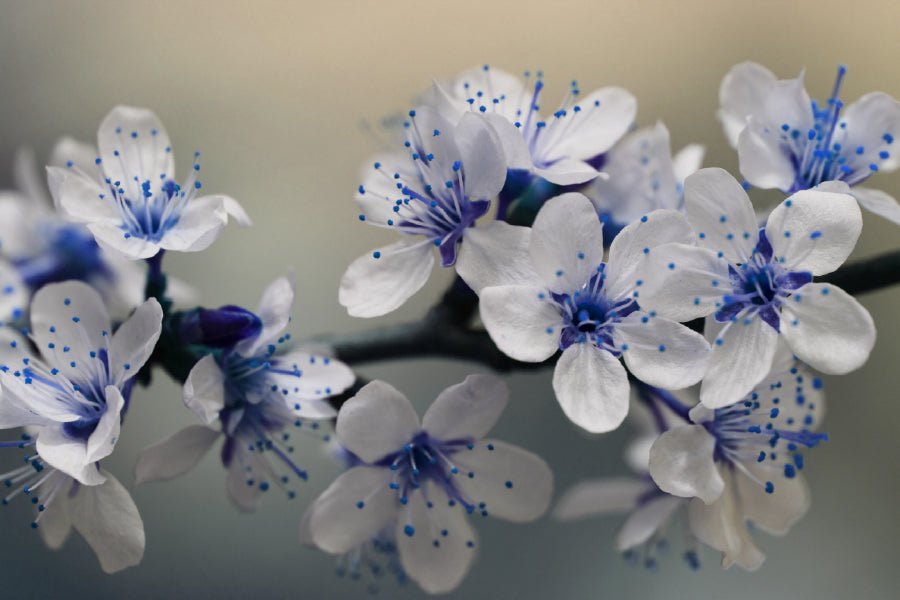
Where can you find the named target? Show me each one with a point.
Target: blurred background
(277, 96)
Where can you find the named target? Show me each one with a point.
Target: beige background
(274, 94)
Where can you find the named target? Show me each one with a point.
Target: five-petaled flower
(759, 282)
(135, 206)
(423, 479)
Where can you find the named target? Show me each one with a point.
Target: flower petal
(878, 202)
(512, 483)
(774, 512)
(372, 287)
(762, 161)
(663, 353)
(814, 231)
(683, 282)
(567, 242)
(54, 524)
(134, 341)
(204, 390)
(496, 254)
(681, 463)
(591, 386)
(199, 225)
(828, 328)
(175, 455)
(868, 121)
(108, 520)
(437, 562)
(80, 198)
(304, 381)
(68, 455)
(741, 358)
(467, 410)
(605, 116)
(377, 421)
(484, 165)
(112, 238)
(646, 520)
(720, 212)
(742, 93)
(335, 521)
(521, 321)
(599, 497)
(721, 525)
(103, 439)
(274, 311)
(133, 143)
(567, 171)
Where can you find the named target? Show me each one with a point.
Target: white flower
(432, 194)
(786, 141)
(759, 282)
(643, 177)
(555, 148)
(135, 207)
(423, 479)
(38, 246)
(548, 289)
(256, 391)
(77, 391)
(742, 463)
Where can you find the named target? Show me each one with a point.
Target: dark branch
(867, 275)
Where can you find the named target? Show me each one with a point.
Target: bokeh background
(282, 99)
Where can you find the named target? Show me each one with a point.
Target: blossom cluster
(652, 286)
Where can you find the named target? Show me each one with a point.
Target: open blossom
(433, 193)
(787, 141)
(256, 391)
(134, 206)
(422, 479)
(555, 147)
(547, 289)
(38, 246)
(759, 282)
(643, 177)
(742, 463)
(73, 398)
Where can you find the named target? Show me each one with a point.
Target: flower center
(589, 316)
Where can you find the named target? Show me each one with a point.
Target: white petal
(788, 103)
(878, 202)
(775, 512)
(70, 315)
(80, 154)
(484, 165)
(236, 211)
(762, 160)
(372, 287)
(721, 525)
(103, 439)
(514, 146)
(567, 171)
(687, 161)
(496, 254)
(305, 381)
(868, 120)
(592, 388)
(741, 358)
(274, 311)
(828, 328)
(720, 212)
(81, 198)
(567, 242)
(175, 455)
(336, 523)
(199, 225)
(14, 293)
(646, 520)
(521, 321)
(681, 463)
(605, 116)
(663, 353)
(627, 253)
(133, 143)
(204, 390)
(440, 567)
(467, 410)
(68, 455)
(682, 282)
(108, 520)
(742, 93)
(112, 238)
(242, 490)
(512, 483)
(599, 497)
(814, 231)
(377, 421)
(54, 524)
(135, 340)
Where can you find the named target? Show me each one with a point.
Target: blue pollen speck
(789, 471)
(409, 530)
(509, 484)
(769, 487)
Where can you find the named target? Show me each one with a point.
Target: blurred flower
(759, 282)
(422, 479)
(134, 206)
(547, 288)
(786, 141)
(256, 390)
